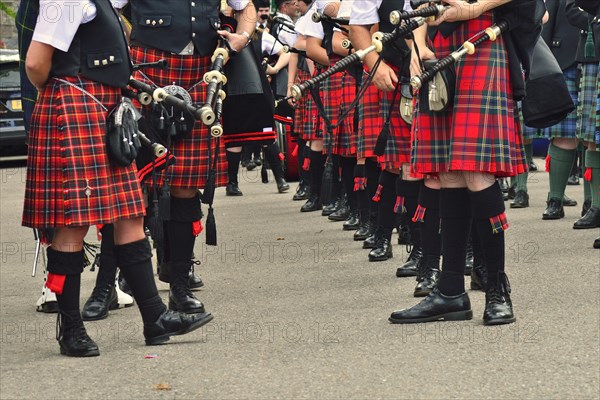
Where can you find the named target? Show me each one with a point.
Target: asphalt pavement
(301, 313)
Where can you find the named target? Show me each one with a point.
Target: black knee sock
(303, 154)
(316, 172)
(455, 213)
(407, 199)
(347, 165)
(108, 264)
(135, 260)
(387, 199)
(490, 220)
(68, 266)
(272, 157)
(372, 172)
(429, 215)
(233, 165)
(360, 191)
(181, 236)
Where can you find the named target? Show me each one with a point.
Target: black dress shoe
(312, 204)
(597, 243)
(365, 230)
(232, 189)
(586, 206)
(498, 306)
(436, 307)
(533, 167)
(590, 220)
(172, 323)
(353, 222)
(479, 277)
(573, 180)
(521, 200)
(429, 273)
(341, 214)
(182, 299)
(282, 185)
(72, 336)
(554, 209)
(382, 251)
(301, 193)
(103, 298)
(569, 202)
(403, 234)
(411, 266)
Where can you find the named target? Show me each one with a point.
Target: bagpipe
(336, 22)
(431, 12)
(379, 40)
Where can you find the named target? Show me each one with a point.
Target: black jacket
(560, 36)
(582, 20)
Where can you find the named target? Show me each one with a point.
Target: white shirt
(59, 20)
(269, 45)
(344, 11)
(285, 34)
(364, 12)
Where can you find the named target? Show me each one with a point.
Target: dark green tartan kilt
(588, 102)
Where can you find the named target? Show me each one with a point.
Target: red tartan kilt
(70, 181)
(192, 153)
(374, 110)
(481, 132)
(345, 143)
(331, 93)
(305, 117)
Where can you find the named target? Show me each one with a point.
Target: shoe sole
(547, 218)
(492, 322)
(164, 338)
(453, 316)
(405, 274)
(377, 259)
(311, 210)
(350, 228)
(421, 293)
(519, 205)
(91, 353)
(336, 219)
(586, 227)
(50, 307)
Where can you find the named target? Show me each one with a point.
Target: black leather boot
(498, 306)
(436, 307)
(72, 336)
(353, 221)
(232, 189)
(102, 299)
(342, 213)
(194, 281)
(478, 276)
(403, 234)
(554, 209)
(383, 248)
(332, 207)
(429, 273)
(469, 259)
(124, 286)
(590, 220)
(312, 204)
(181, 297)
(410, 267)
(365, 229)
(302, 192)
(172, 323)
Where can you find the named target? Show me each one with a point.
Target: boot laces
(101, 292)
(66, 323)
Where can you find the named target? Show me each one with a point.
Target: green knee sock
(587, 186)
(561, 161)
(528, 152)
(521, 181)
(592, 160)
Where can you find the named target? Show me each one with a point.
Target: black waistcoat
(397, 52)
(98, 52)
(170, 25)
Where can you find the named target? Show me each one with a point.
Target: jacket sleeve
(576, 16)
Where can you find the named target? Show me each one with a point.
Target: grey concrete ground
(300, 313)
